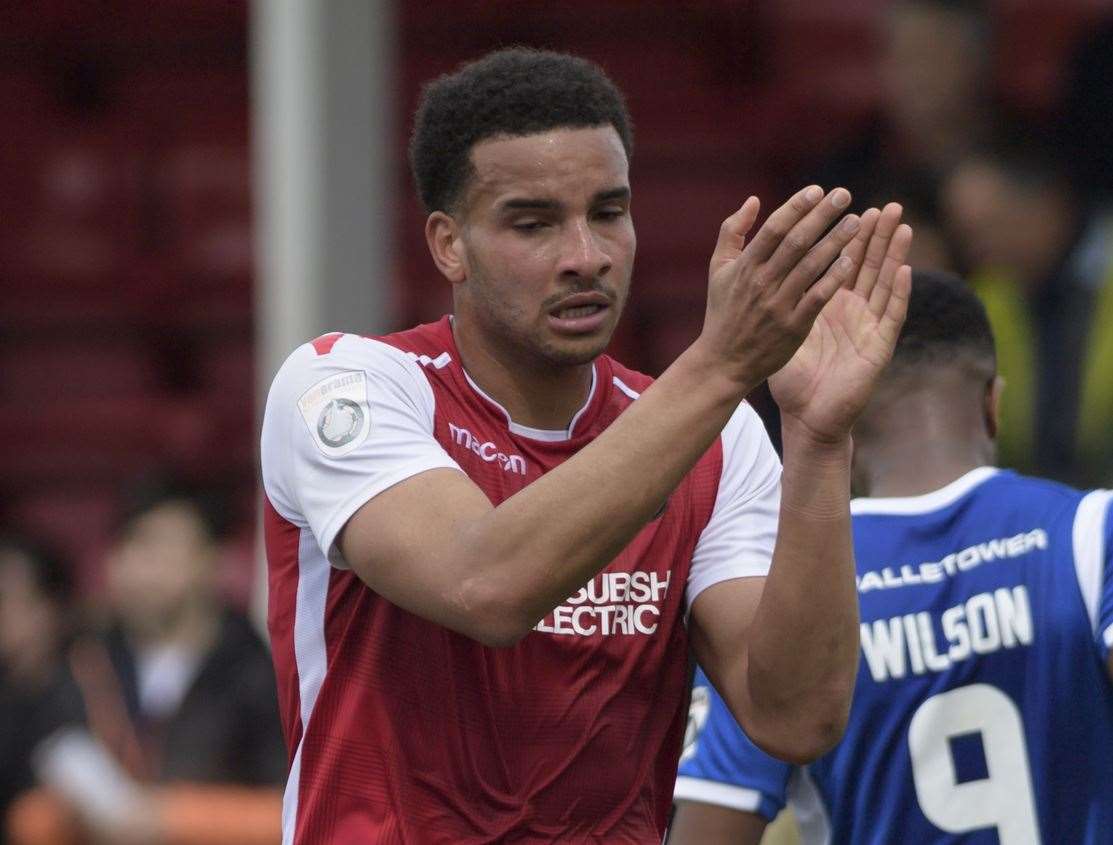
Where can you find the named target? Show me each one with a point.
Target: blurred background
(191, 188)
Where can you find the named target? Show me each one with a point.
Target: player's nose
(582, 254)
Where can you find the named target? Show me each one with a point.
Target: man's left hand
(826, 384)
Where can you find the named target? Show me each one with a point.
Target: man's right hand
(764, 295)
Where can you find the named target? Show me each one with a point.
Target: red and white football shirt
(401, 730)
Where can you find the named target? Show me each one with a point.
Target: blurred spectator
(1043, 264)
(181, 740)
(936, 77)
(37, 695)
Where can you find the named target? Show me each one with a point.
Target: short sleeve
(721, 766)
(342, 427)
(738, 540)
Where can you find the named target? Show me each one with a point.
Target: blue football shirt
(983, 710)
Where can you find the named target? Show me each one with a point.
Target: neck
(536, 394)
(192, 629)
(891, 474)
(924, 445)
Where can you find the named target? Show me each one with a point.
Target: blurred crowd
(124, 714)
(1017, 203)
(150, 716)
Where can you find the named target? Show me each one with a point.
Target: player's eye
(609, 214)
(529, 226)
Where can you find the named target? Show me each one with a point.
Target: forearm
(802, 655)
(548, 540)
(697, 823)
(219, 814)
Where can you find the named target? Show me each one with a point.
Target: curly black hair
(946, 322)
(516, 91)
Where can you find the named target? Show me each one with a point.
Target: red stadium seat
(226, 368)
(76, 367)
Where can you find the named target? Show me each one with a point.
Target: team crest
(336, 412)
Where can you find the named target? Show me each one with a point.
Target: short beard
(499, 322)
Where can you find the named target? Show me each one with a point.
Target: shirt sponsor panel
(932, 572)
(917, 643)
(611, 604)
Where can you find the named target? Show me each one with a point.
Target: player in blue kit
(983, 710)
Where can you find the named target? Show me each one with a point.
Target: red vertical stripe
(282, 541)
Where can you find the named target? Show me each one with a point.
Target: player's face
(547, 244)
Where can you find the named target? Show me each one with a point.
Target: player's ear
(442, 234)
(993, 391)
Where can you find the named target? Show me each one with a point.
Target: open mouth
(578, 311)
(581, 313)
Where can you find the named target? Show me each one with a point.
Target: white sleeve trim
(720, 794)
(809, 808)
(738, 540)
(1089, 549)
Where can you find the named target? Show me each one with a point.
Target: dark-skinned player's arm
(783, 650)
(434, 545)
(727, 790)
(697, 823)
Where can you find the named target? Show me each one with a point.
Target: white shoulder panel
(342, 427)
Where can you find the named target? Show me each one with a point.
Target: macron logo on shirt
(487, 451)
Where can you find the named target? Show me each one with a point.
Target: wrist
(725, 378)
(798, 436)
(815, 482)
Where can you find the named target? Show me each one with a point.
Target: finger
(895, 256)
(781, 222)
(732, 234)
(877, 249)
(897, 306)
(795, 245)
(856, 249)
(818, 259)
(819, 294)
